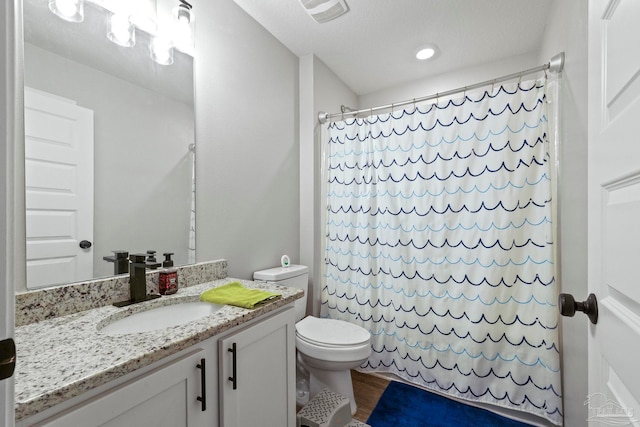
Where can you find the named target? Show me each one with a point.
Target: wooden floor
(367, 389)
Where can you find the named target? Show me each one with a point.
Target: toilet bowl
(329, 349)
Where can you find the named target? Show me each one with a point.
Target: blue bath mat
(407, 406)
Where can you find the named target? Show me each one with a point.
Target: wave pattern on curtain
(439, 242)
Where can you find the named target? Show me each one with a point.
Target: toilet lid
(331, 332)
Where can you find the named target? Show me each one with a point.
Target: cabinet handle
(203, 383)
(7, 358)
(234, 377)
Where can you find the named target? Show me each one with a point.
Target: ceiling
(372, 47)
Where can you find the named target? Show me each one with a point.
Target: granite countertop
(63, 357)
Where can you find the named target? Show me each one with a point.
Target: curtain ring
(493, 85)
(437, 98)
(392, 105)
(465, 93)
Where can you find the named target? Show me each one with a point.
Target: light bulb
(121, 32)
(182, 30)
(69, 10)
(161, 49)
(184, 15)
(425, 53)
(66, 7)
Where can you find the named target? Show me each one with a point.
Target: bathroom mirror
(140, 116)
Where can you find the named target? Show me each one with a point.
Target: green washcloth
(235, 294)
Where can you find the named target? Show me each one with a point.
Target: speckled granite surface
(62, 357)
(34, 306)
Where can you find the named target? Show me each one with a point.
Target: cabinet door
(166, 396)
(257, 374)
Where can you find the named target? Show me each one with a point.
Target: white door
(614, 211)
(59, 189)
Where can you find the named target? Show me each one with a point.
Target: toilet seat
(332, 340)
(331, 332)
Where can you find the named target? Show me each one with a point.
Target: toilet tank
(294, 276)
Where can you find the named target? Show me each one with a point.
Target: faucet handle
(141, 260)
(151, 256)
(117, 255)
(137, 258)
(152, 262)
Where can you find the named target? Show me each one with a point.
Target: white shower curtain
(191, 246)
(439, 241)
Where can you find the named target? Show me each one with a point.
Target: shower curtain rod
(556, 64)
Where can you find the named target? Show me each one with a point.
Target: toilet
(327, 348)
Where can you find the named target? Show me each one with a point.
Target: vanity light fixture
(69, 10)
(121, 30)
(123, 22)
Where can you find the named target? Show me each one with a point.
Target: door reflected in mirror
(109, 137)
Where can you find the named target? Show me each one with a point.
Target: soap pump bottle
(168, 280)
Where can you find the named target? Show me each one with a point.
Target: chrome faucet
(138, 280)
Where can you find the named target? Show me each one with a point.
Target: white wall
(567, 31)
(247, 207)
(448, 81)
(142, 165)
(320, 90)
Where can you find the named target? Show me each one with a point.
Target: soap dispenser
(168, 280)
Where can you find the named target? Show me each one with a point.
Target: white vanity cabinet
(169, 394)
(257, 373)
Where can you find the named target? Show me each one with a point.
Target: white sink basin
(160, 318)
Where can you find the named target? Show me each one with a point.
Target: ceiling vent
(325, 10)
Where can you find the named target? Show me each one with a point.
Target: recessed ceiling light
(426, 52)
